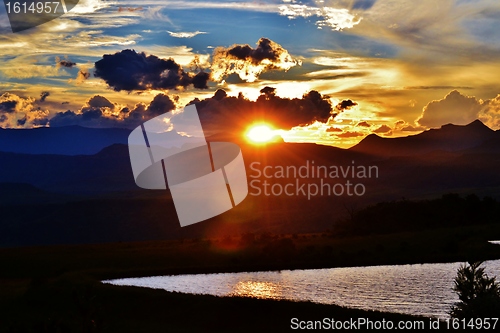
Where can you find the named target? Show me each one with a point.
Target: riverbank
(75, 305)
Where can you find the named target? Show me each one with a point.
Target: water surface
(424, 289)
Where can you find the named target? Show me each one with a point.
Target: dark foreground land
(67, 305)
(58, 289)
(92, 199)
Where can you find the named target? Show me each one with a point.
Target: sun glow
(257, 289)
(261, 133)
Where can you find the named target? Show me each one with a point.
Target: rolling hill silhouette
(108, 170)
(68, 140)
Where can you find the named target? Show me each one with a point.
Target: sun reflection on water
(422, 289)
(257, 289)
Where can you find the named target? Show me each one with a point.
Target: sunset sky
(391, 67)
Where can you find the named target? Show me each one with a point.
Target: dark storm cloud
(8, 106)
(200, 80)
(44, 95)
(268, 91)
(132, 71)
(264, 50)
(224, 113)
(345, 105)
(89, 118)
(91, 113)
(22, 121)
(249, 62)
(95, 113)
(40, 121)
(98, 101)
(66, 118)
(95, 108)
(160, 104)
(19, 111)
(128, 70)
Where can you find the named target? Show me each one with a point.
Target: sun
(261, 133)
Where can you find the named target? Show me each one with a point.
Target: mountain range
(68, 140)
(77, 140)
(72, 197)
(448, 138)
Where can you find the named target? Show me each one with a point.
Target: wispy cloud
(434, 31)
(18, 69)
(186, 34)
(335, 18)
(235, 5)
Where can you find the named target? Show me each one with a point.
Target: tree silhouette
(479, 294)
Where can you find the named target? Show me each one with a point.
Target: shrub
(479, 294)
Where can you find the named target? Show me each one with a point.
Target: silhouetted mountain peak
(477, 126)
(372, 137)
(478, 123)
(475, 132)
